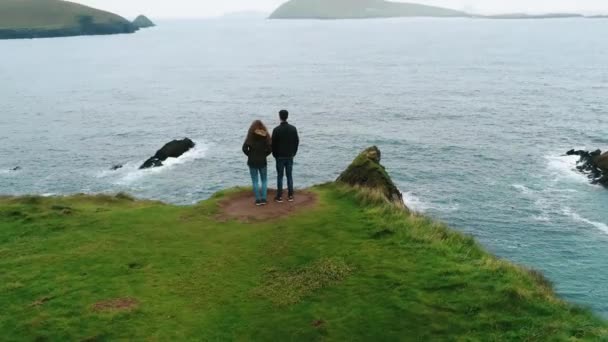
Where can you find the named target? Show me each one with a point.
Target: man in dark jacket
(285, 142)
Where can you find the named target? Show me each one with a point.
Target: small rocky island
(21, 19)
(143, 22)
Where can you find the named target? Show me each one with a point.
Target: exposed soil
(242, 206)
(116, 304)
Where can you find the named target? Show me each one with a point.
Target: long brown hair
(257, 125)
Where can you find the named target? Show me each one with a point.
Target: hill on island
(56, 18)
(357, 9)
(344, 262)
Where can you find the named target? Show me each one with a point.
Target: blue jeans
(260, 193)
(284, 166)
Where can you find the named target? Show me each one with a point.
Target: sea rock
(16, 168)
(593, 164)
(143, 22)
(602, 161)
(116, 167)
(173, 149)
(367, 172)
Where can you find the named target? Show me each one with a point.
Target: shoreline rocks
(173, 149)
(593, 164)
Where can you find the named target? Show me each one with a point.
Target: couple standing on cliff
(283, 144)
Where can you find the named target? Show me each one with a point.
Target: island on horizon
(368, 9)
(23, 19)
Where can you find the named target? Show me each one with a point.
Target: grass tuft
(290, 287)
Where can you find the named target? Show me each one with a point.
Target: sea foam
(576, 217)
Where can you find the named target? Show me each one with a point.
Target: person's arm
(246, 149)
(275, 141)
(297, 142)
(269, 148)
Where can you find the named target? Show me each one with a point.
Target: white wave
(542, 218)
(4, 172)
(599, 225)
(564, 167)
(416, 204)
(130, 172)
(523, 189)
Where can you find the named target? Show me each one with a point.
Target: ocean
(473, 118)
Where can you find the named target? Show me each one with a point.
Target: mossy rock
(367, 172)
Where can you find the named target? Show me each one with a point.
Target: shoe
(278, 199)
(264, 202)
(290, 199)
(258, 203)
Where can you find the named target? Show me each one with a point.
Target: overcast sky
(210, 8)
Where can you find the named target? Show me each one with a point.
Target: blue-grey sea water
(472, 117)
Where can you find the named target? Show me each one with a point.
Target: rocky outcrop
(174, 149)
(367, 172)
(593, 164)
(143, 22)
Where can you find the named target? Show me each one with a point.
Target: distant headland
(56, 18)
(358, 9)
(364, 9)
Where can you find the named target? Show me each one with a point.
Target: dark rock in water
(174, 149)
(16, 168)
(367, 172)
(116, 167)
(143, 22)
(593, 164)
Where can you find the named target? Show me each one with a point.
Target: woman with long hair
(257, 147)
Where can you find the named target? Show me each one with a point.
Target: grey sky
(210, 8)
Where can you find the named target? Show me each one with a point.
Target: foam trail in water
(599, 225)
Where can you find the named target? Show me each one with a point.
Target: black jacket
(257, 150)
(285, 141)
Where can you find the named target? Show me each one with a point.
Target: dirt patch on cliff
(241, 206)
(118, 304)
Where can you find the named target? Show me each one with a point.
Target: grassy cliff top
(50, 14)
(352, 267)
(353, 9)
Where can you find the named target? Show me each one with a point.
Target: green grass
(352, 269)
(50, 14)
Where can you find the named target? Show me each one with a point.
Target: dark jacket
(257, 150)
(285, 141)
